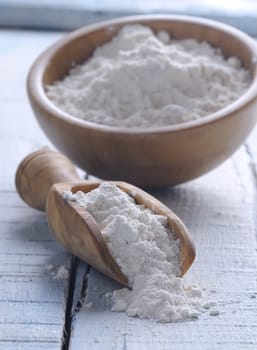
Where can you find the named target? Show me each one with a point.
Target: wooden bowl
(146, 157)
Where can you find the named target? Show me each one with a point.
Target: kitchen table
(38, 311)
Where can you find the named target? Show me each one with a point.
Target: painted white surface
(32, 305)
(219, 209)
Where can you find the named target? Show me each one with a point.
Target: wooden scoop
(41, 179)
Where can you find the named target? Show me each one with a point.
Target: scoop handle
(38, 172)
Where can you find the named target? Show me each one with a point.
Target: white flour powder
(58, 272)
(143, 80)
(147, 254)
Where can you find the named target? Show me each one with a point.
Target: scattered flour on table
(58, 272)
(140, 79)
(147, 254)
(97, 339)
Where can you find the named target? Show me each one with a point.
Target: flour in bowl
(140, 79)
(147, 254)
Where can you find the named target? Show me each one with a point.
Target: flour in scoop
(147, 254)
(140, 79)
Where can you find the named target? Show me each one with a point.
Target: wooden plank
(29, 297)
(70, 15)
(28, 346)
(252, 151)
(29, 333)
(32, 304)
(220, 211)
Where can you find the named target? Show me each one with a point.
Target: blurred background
(71, 14)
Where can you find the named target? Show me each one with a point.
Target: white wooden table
(38, 312)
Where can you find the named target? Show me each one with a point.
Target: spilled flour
(147, 254)
(140, 79)
(58, 272)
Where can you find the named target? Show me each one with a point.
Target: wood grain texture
(38, 172)
(41, 179)
(145, 157)
(220, 211)
(32, 304)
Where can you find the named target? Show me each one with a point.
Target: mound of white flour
(143, 80)
(147, 254)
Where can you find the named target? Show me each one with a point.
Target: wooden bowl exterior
(156, 157)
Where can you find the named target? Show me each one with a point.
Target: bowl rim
(36, 90)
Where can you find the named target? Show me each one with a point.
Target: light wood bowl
(145, 157)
